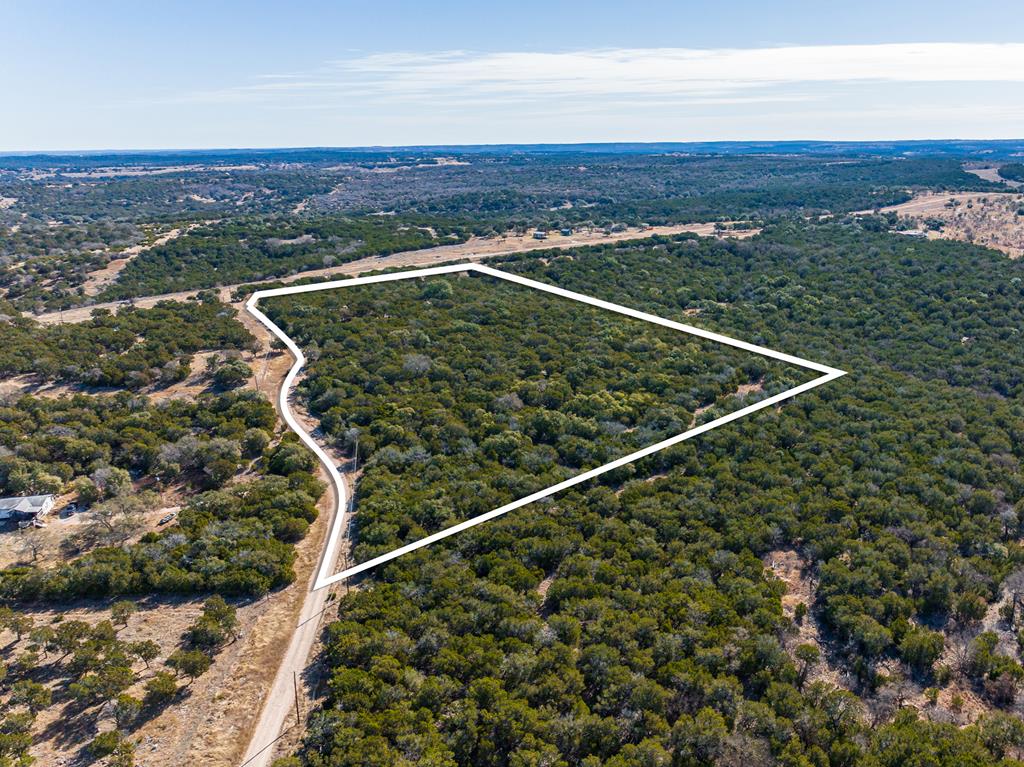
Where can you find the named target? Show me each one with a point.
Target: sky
(158, 75)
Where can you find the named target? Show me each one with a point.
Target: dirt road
(276, 708)
(278, 705)
(474, 249)
(278, 713)
(991, 219)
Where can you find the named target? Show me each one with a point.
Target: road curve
(280, 701)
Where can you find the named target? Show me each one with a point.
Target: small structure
(25, 507)
(567, 231)
(540, 234)
(919, 233)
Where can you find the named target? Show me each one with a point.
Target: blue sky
(102, 75)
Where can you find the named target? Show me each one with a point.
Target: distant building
(913, 233)
(567, 231)
(25, 507)
(540, 234)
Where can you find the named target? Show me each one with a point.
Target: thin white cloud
(680, 73)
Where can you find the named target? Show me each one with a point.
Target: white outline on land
(325, 577)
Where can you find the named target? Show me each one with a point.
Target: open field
(474, 249)
(993, 219)
(991, 173)
(100, 278)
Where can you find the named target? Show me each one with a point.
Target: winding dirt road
(473, 249)
(276, 717)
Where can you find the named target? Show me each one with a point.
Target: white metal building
(25, 506)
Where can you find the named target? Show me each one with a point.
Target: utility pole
(295, 686)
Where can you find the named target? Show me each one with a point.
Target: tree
(255, 442)
(20, 624)
(700, 739)
(115, 520)
(127, 710)
(290, 457)
(920, 648)
(42, 637)
(111, 481)
(223, 614)
(85, 491)
(123, 755)
(799, 613)
(232, 374)
(122, 610)
(146, 650)
(34, 696)
(105, 743)
(106, 683)
(31, 543)
(160, 690)
(191, 663)
(69, 635)
(808, 655)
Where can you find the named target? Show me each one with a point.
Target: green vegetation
(131, 349)
(258, 220)
(231, 539)
(1013, 171)
(94, 446)
(245, 249)
(464, 394)
(87, 667)
(631, 622)
(43, 265)
(634, 621)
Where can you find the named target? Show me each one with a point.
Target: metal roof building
(25, 506)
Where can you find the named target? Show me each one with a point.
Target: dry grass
(992, 219)
(474, 249)
(99, 279)
(788, 566)
(991, 173)
(60, 731)
(742, 391)
(212, 723)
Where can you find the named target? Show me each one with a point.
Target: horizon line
(495, 145)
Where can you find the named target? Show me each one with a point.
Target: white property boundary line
(326, 578)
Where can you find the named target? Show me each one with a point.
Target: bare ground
(197, 382)
(991, 219)
(214, 723)
(742, 392)
(788, 566)
(99, 279)
(60, 736)
(991, 173)
(474, 249)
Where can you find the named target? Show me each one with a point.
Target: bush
(105, 743)
(232, 374)
(160, 690)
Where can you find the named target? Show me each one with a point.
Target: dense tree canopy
(129, 349)
(231, 538)
(464, 394)
(631, 621)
